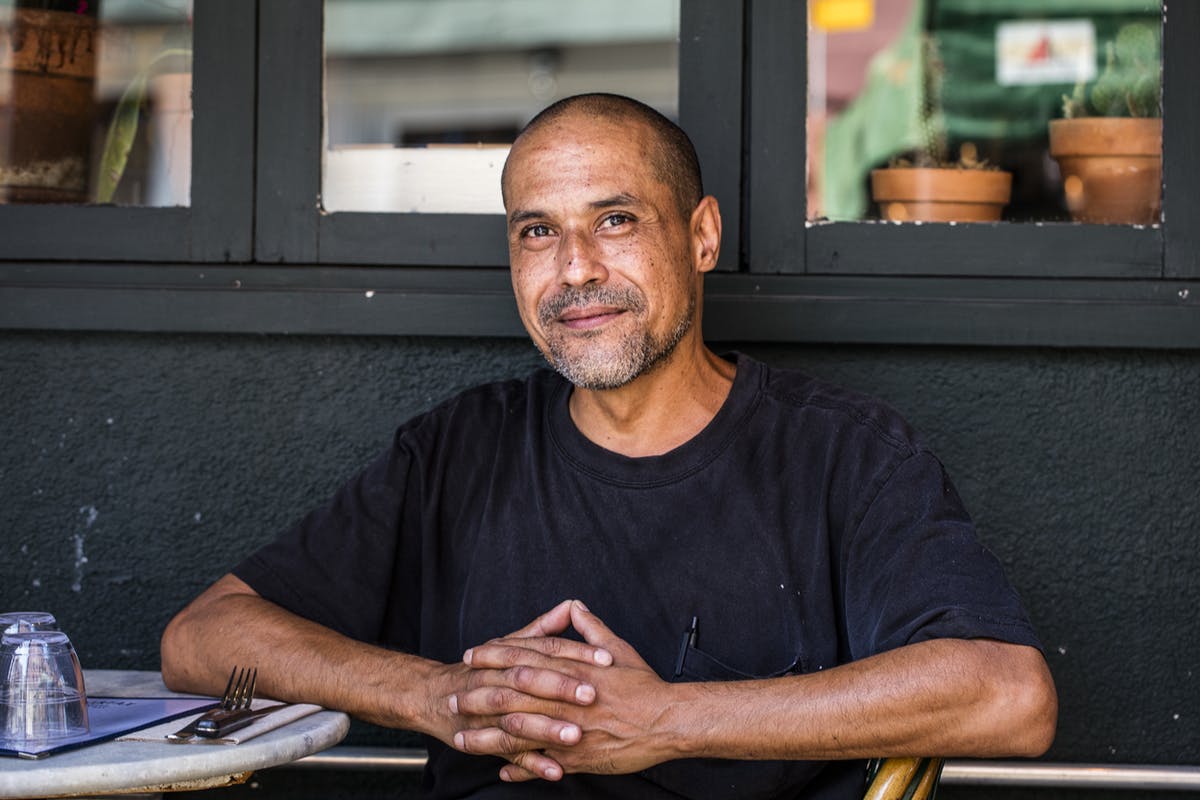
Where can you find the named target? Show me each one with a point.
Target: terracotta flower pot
(941, 195)
(1111, 168)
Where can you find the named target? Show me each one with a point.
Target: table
(150, 767)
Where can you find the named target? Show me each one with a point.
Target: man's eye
(613, 220)
(536, 231)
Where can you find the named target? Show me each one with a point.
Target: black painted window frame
(292, 228)
(217, 224)
(742, 68)
(777, 231)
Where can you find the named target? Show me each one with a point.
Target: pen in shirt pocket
(688, 640)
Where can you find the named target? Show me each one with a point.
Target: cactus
(935, 150)
(1129, 84)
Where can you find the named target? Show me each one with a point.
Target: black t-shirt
(804, 527)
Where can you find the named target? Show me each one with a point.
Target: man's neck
(659, 410)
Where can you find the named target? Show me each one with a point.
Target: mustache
(626, 298)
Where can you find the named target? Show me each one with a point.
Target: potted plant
(1109, 143)
(930, 186)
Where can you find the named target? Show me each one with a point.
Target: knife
(219, 722)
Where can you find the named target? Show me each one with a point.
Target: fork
(239, 692)
(235, 704)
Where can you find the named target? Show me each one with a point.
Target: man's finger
(495, 741)
(504, 653)
(523, 689)
(595, 632)
(530, 765)
(512, 773)
(552, 623)
(590, 626)
(539, 728)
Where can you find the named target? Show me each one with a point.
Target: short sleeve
(334, 565)
(914, 569)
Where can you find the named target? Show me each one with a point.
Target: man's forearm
(945, 697)
(297, 661)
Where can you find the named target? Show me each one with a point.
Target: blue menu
(110, 717)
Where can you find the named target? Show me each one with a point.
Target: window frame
(774, 284)
(780, 241)
(292, 227)
(216, 226)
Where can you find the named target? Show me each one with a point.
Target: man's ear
(705, 232)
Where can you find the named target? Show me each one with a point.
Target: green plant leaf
(119, 142)
(123, 128)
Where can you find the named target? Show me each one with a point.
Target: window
(264, 246)
(479, 71)
(783, 242)
(73, 81)
(423, 99)
(905, 95)
(101, 156)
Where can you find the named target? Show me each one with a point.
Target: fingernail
(552, 773)
(602, 657)
(460, 741)
(467, 657)
(585, 693)
(582, 605)
(453, 704)
(504, 776)
(570, 734)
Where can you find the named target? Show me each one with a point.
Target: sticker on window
(1045, 51)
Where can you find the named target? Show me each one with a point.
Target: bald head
(672, 158)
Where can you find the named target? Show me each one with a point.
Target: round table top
(131, 766)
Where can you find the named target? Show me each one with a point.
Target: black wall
(135, 469)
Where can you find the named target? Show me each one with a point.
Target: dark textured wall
(135, 469)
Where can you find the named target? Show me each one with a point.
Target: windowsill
(381, 301)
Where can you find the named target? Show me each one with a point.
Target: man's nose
(580, 261)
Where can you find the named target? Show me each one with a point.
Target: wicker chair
(903, 778)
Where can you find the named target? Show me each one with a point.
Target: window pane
(95, 101)
(423, 97)
(979, 89)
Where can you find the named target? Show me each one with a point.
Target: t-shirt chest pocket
(698, 665)
(754, 650)
(741, 642)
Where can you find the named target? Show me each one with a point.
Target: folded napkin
(276, 719)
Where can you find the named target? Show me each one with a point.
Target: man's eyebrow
(621, 199)
(518, 217)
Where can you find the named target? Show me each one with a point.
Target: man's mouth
(586, 309)
(588, 318)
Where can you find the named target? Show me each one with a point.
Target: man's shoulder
(486, 406)
(841, 409)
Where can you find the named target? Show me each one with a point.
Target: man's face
(601, 260)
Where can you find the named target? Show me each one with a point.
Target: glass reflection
(978, 90)
(95, 101)
(423, 98)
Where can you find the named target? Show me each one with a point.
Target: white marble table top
(127, 767)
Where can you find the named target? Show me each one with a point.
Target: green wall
(137, 468)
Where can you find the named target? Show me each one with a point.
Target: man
(774, 576)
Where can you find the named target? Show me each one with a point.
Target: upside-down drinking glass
(42, 696)
(26, 621)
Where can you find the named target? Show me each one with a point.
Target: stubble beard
(589, 362)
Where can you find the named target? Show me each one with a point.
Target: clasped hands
(551, 705)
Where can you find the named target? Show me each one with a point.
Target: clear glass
(979, 90)
(423, 98)
(27, 621)
(42, 694)
(95, 101)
